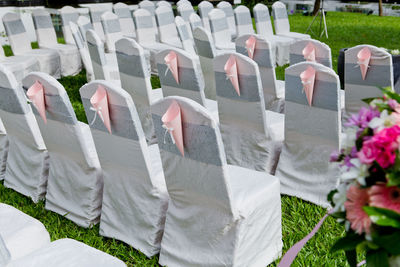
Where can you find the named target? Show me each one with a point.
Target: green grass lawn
(298, 217)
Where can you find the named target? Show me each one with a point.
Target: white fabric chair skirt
(49, 61)
(20, 66)
(71, 63)
(3, 150)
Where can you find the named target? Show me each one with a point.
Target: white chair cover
(322, 52)
(164, 3)
(280, 45)
(195, 21)
(84, 24)
(112, 30)
(185, 34)
(20, 233)
(215, 208)
(70, 59)
(166, 27)
(180, 2)
(68, 14)
(125, 19)
(135, 79)
(75, 183)
(19, 65)
(220, 30)
(252, 136)
(191, 81)
(135, 197)
(311, 134)
(205, 7)
(83, 51)
(66, 253)
(27, 161)
(244, 23)
(379, 74)
(226, 7)
(102, 68)
(185, 10)
(150, 6)
(274, 90)
(281, 22)
(95, 12)
(206, 51)
(49, 60)
(5, 256)
(3, 150)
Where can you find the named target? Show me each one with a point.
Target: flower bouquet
(367, 201)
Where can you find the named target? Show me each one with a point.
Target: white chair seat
(176, 42)
(295, 35)
(49, 61)
(226, 46)
(212, 106)
(276, 125)
(20, 66)
(156, 94)
(280, 89)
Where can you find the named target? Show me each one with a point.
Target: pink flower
(357, 198)
(386, 158)
(385, 197)
(368, 152)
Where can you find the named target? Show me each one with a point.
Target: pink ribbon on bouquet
(308, 79)
(363, 58)
(35, 94)
(171, 60)
(172, 123)
(99, 101)
(309, 52)
(251, 46)
(231, 71)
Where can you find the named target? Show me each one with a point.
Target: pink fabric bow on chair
(35, 94)
(99, 103)
(231, 71)
(171, 60)
(251, 46)
(363, 58)
(172, 123)
(307, 79)
(309, 52)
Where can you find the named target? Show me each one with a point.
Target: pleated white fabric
(191, 80)
(125, 19)
(185, 10)
(27, 161)
(166, 27)
(20, 234)
(322, 52)
(75, 182)
(220, 30)
(185, 35)
(70, 59)
(244, 23)
(135, 197)
(205, 7)
(379, 74)
(68, 14)
(311, 134)
(274, 90)
(3, 150)
(135, 79)
(112, 30)
(83, 51)
(49, 60)
(226, 7)
(219, 214)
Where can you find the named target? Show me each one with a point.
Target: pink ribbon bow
(251, 46)
(99, 103)
(232, 72)
(172, 123)
(363, 58)
(309, 52)
(307, 79)
(35, 94)
(171, 60)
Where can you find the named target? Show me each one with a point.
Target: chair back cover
(83, 50)
(379, 74)
(244, 23)
(5, 255)
(135, 197)
(185, 34)
(320, 51)
(125, 19)
(263, 20)
(206, 52)
(45, 33)
(145, 26)
(16, 33)
(164, 3)
(262, 55)
(195, 21)
(191, 82)
(180, 2)
(27, 159)
(185, 10)
(226, 7)
(68, 14)
(135, 79)
(166, 26)
(219, 27)
(75, 183)
(205, 7)
(3, 150)
(112, 30)
(281, 21)
(311, 134)
(95, 12)
(97, 56)
(148, 5)
(84, 24)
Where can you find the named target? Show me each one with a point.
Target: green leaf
(368, 100)
(383, 217)
(351, 257)
(377, 258)
(348, 243)
(389, 242)
(393, 177)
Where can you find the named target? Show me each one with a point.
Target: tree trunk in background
(380, 8)
(317, 5)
